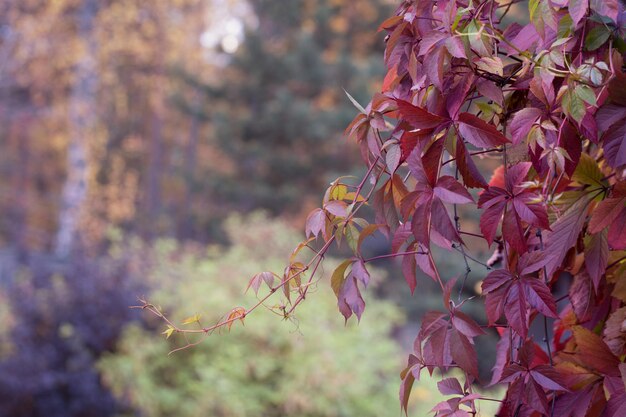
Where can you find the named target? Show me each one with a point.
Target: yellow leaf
(193, 319)
(168, 332)
(351, 197)
(337, 278)
(338, 192)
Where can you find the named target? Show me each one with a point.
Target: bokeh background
(171, 149)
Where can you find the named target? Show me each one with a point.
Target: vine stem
(545, 323)
(316, 259)
(393, 255)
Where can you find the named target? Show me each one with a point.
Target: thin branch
(393, 255)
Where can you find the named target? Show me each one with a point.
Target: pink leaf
(521, 123)
(315, 222)
(578, 10)
(450, 386)
(336, 208)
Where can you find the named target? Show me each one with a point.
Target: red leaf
(408, 270)
(258, 279)
(532, 261)
(471, 175)
(615, 146)
(420, 224)
(479, 133)
(605, 213)
(455, 97)
(575, 404)
(569, 140)
(617, 232)
(516, 310)
(400, 236)
(593, 352)
(409, 140)
(597, 256)
(490, 219)
(513, 231)
(548, 377)
(432, 159)
(502, 357)
(466, 325)
(565, 232)
(425, 264)
(539, 296)
(581, 296)
(516, 204)
(450, 191)
(441, 223)
(608, 115)
(418, 117)
(495, 280)
(535, 397)
(463, 352)
(515, 175)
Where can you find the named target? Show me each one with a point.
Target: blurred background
(171, 149)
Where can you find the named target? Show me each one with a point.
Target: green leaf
(536, 17)
(565, 27)
(586, 94)
(352, 236)
(573, 106)
(596, 38)
(587, 172)
(533, 5)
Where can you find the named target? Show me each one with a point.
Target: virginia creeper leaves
(479, 133)
(552, 87)
(515, 204)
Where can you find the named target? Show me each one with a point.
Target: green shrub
(312, 366)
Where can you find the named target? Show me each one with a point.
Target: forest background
(138, 142)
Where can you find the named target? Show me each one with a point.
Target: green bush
(312, 366)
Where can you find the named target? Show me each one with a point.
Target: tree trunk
(82, 111)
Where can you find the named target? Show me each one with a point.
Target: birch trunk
(82, 116)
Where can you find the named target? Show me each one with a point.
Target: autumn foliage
(547, 99)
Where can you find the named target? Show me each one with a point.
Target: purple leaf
(450, 386)
(578, 10)
(521, 123)
(479, 133)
